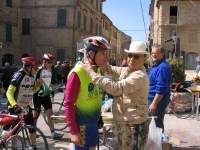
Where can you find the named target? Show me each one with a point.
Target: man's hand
(17, 109)
(153, 108)
(39, 82)
(76, 138)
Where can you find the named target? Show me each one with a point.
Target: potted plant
(181, 100)
(178, 69)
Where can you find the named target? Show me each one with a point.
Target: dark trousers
(160, 112)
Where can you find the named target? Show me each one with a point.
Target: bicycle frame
(20, 127)
(12, 130)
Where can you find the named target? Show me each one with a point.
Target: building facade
(9, 32)
(175, 26)
(56, 26)
(118, 40)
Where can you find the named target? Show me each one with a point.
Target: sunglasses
(34, 67)
(133, 56)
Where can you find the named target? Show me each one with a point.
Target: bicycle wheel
(41, 141)
(58, 110)
(15, 143)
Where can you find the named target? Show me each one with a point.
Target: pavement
(186, 131)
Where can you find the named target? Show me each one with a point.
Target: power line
(143, 19)
(133, 30)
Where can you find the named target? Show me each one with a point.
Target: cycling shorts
(89, 136)
(44, 101)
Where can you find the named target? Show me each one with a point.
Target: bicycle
(176, 103)
(18, 130)
(9, 141)
(106, 136)
(58, 109)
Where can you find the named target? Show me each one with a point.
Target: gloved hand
(17, 109)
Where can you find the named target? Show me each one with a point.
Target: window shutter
(25, 26)
(8, 33)
(61, 17)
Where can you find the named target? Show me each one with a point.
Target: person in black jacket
(7, 76)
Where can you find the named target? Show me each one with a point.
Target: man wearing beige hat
(129, 86)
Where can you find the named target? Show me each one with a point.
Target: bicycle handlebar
(7, 118)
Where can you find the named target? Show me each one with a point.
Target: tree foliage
(178, 69)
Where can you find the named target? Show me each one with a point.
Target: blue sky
(126, 15)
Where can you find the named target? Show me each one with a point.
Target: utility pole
(177, 40)
(73, 29)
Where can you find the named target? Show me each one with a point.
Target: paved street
(185, 130)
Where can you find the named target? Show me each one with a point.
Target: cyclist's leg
(29, 120)
(49, 113)
(41, 142)
(47, 104)
(37, 106)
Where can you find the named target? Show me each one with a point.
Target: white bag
(154, 137)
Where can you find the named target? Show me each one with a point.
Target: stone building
(56, 26)
(9, 33)
(175, 26)
(125, 43)
(118, 40)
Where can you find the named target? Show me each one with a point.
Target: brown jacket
(130, 91)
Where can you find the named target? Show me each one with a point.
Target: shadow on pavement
(62, 144)
(187, 148)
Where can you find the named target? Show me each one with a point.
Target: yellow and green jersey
(89, 100)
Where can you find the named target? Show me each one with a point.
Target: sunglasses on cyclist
(34, 67)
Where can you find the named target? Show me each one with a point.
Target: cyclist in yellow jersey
(20, 93)
(83, 99)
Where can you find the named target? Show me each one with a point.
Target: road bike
(9, 141)
(17, 135)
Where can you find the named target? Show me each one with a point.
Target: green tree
(178, 69)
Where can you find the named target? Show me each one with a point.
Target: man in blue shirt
(159, 86)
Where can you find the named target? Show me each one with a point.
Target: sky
(126, 15)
